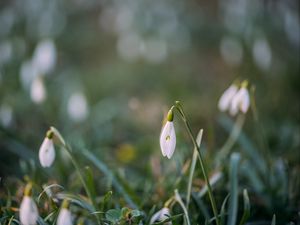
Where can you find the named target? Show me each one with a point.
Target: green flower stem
(235, 132)
(262, 139)
(89, 194)
(179, 200)
(211, 197)
(192, 169)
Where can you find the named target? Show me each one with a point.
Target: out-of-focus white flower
(226, 98)
(47, 151)
(64, 217)
(161, 215)
(28, 211)
(78, 107)
(38, 90)
(168, 137)
(240, 101)
(44, 56)
(6, 115)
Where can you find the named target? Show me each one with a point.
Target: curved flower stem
(192, 169)
(188, 128)
(179, 200)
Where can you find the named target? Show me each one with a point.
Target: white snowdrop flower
(44, 56)
(38, 90)
(226, 98)
(64, 217)
(28, 209)
(78, 107)
(161, 215)
(47, 151)
(240, 101)
(168, 137)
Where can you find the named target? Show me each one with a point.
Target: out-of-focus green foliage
(115, 69)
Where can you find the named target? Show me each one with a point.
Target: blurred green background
(106, 72)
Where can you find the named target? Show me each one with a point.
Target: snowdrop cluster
(235, 99)
(47, 151)
(168, 137)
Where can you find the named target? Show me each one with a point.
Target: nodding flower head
(168, 137)
(28, 209)
(64, 217)
(47, 151)
(241, 100)
(226, 98)
(161, 215)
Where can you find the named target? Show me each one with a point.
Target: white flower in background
(226, 98)
(38, 90)
(168, 137)
(161, 215)
(6, 115)
(240, 101)
(64, 217)
(28, 210)
(44, 56)
(78, 107)
(47, 151)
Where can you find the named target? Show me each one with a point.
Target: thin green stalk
(89, 194)
(235, 132)
(211, 197)
(179, 200)
(192, 169)
(262, 138)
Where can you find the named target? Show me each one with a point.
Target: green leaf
(246, 213)
(113, 215)
(76, 199)
(90, 181)
(273, 220)
(136, 213)
(105, 200)
(223, 210)
(233, 200)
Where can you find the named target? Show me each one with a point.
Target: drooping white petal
(244, 106)
(47, 152)
(28, 211)
(64, 217)
(161, 215)
(241, 101)
(226, 97)
(38, 91)
(168, 139)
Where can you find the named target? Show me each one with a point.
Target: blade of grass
(223, 210)
(192, 168)
(233, 199)
(273, 220)
(246, 213)
(104, 169)
(90, 181)
(201, 206)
